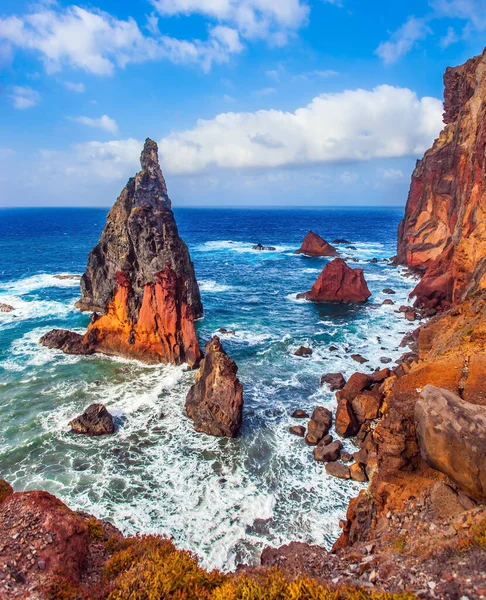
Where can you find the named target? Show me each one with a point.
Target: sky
(252, 102)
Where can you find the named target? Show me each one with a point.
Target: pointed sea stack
(338, 283)
(140, 278)
(443, 233)
(215, 401)
(314, 245)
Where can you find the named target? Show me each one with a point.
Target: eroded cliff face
(444, 229)
(140, 280)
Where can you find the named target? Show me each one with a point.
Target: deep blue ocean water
(223, 499)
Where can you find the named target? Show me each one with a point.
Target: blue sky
(252, 102)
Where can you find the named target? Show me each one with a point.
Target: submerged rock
(335, 381)
(451, 437)
(328, 453)
(297, 430)
(140, 277)
(337, 469)
(6, 308)
(95, 420)
(341, 241)
(215, 401)
(262, 248)
(300, 414)
(303, 351)
(338, 283)
(314, 245)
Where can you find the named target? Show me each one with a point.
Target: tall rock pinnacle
(140, 277)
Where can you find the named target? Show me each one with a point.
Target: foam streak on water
(224, 499)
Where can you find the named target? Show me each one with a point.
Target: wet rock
(323, 416)
(95, 420)
(451, 437)
(385, 360)
(326, 440)
(333, 348)
(338, 283)
(411, 315)
(67, 341)
(351, 248)
(314, 245)
(6, 308)
(373, 260)
(64, 277)
(388, 291)
(380, 375)
(358, 382)
(318, 428)
(303, 351)
(261, 248)
(335, 381)
(224, 331)
(387, 301)
(341, 241)
(215, 401)
(346, 457)
(359, 359)
(328, 452)
(346, 423)
(300, 414)
(357, 473)
(336, 469)
(297, 430)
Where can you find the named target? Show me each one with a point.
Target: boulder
(225, 331)
(261, 248)
(335, 381)
(6, 490)
(6, 308)
(346, 457)
(452, 440)
(300, 414)
(411, 315)
(336, 469)
(341, 241)
(381, 375)
(315, 432)
(314, 245)
(346, 423)
(366, 406)
(326, 440)
(328, 453)
(357, 473)
(215, 401)
(388, 291)
(297, 430)
(67, 341)
(357, 383)
(95, 420)
(323, 416)
(338, 283)
(359, 359)
(303, 351)
(388, 301)
(385, 360)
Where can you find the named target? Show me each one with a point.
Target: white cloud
(24, 97)
(450, 38)
(74, 87)
(472, 11)
(97, 42)
(268, 91)
(104, 122)
(254, 19)
(403, 40)
(393, 174)
(322, 73)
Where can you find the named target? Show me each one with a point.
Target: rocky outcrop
(6, 308)
(444, 230)
(140, 280)
(338, 283)
(215, 401)
(95, 420)
(451, 434)
(261, 248)
(314, 245)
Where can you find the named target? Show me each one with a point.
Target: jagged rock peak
(149, 161)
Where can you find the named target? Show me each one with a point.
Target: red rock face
(140, 278)
(314, 245)
(444, 229)
(338, 283)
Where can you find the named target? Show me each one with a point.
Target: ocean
(223, 499)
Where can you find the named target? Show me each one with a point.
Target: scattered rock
(385, 360)
(314, 245)
(346, 423)
(328, 453)
(319, 425)
(381, 375)
(71, 277)
(373, 260)
(341, 241)
(297, 430)
(224, 331)
(338, 283)
(326, 440)
(358, 382)
(323, 416)
(357, 473)
(388, 291)
(336, 469)
(303, 351)
(359, 359)
(6, 308)
(410, 315)
(95, 420)
(261, 248)
(346, 457)
(300, 414)
(335, 381)
(215, 401)
(388, 301)
(366, 406)
(333, 348)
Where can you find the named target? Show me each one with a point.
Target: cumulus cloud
(97, 42)
(104, 122)
(469, 10)
(403, 40)
(254, 19)
(24, 97)
(74, 87)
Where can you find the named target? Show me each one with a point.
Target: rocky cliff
(443, 233)
(140, 280)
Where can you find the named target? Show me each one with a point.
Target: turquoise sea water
(223, 499)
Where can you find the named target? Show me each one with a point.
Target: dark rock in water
(341, 241)
(314, 245)
(373, 260)
(388, 291)
(67, 341)
(140, 277)
(388, 301)
(6, 308)
(346, 423)
(335, 381)
(358, 358)
(297, 430)
(328, 453)
(95, 420)
(224, 331)
(303, 351)
(333, 348)
(300, 414)
(411, 315)
(357, 473)
(326, 440)
(346, 457)
(351, 248)
(385, 360)
(63, 277)
(336, 469)
(215, 401)
(323, 416)
(319, 425)
(403, 308)
(338, 283)
(260, 248)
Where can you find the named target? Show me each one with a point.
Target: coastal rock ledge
(140, 280)
(338, 283)
(215, 401)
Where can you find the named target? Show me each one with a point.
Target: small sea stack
(338, 283)
(140, 282)
(314, 245)
(215, 401)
